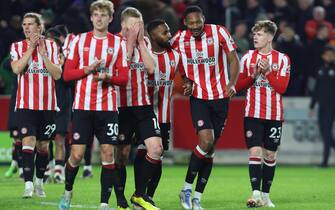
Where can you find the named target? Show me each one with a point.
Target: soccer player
(136, 112)
(160, 85)
(97, 61)
(210, 61)
(265, 74)
(35, 61)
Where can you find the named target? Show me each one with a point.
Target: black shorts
(209, 114)
(12, 119)
(137, 119)
(262, 133)
(40, 124)
(165, 133)
(102, 124)
(63, 116)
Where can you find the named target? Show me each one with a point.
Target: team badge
(110, 50)
(24, 130)
(200, 123)
(274, 67)
(172, 63)
(249, 133)
(76, 136)
(210, 41)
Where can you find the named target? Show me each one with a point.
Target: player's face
(101, 19)
(162, 35)
(195, 23)
(261, 39)
(129, 23)
(30, 26)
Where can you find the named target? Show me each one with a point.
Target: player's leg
(47, 178)
(271, 143)
(87, 172)
(218, 115)
(106, 131)
(122, 151)
(82, 131)
(28, 125)
(254, 134)
(149, 133)
(202, 122)
(153, 183)
(45, 133)
(13, 168)
(41, 162)
(59, 158)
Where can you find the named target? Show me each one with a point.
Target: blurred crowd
(305, 26)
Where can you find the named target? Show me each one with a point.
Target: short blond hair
(130, 12)
(267, 25)
(38, 19)
(102, 5)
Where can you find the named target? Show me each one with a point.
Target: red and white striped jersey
(135, 93)
(264, 94)
(91, 94)
(67, 43)
(205, 60)
(160, 83)
(36, 87)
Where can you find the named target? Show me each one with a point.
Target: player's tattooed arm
(188, 86)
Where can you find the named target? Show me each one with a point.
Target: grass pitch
(294, 188)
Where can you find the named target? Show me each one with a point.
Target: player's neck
(100, 34)
(265, 50)
(156, 48)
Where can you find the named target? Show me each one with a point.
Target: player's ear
(184, 21)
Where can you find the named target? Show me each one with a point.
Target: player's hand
(102, 77)
(188, 87)
(41, 47)
(133, 32)
(140, 36)
(256, 72)
(34, 39)
(264, 65)
(230, 90)
(92, 68)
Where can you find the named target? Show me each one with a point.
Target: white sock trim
(89, 167)
(187, 186)
(200, 150)
(28, 148)
(197, 195)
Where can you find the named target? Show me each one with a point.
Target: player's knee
(155, 151)
(270, 155)
(255, 151)
(76, 158)
(206, 145)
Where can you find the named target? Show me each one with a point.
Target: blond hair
(267, 25)
(130, 12)
(38, 19)
(102, 5)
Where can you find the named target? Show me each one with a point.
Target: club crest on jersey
(274, 66)
(210, 41)
(110, 50)
(199, 54)
(172, 63)
(162, 76)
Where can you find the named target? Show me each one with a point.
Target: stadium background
(301, 138)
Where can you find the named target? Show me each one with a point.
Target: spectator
(289, 42)
(329, 6)
(281, 11)
(254, 12)
(325, 81)
(240, 36)
(319, 14)
(302, 15)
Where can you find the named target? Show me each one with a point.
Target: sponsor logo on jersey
(210, 61)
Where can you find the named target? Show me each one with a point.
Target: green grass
(294, 188)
